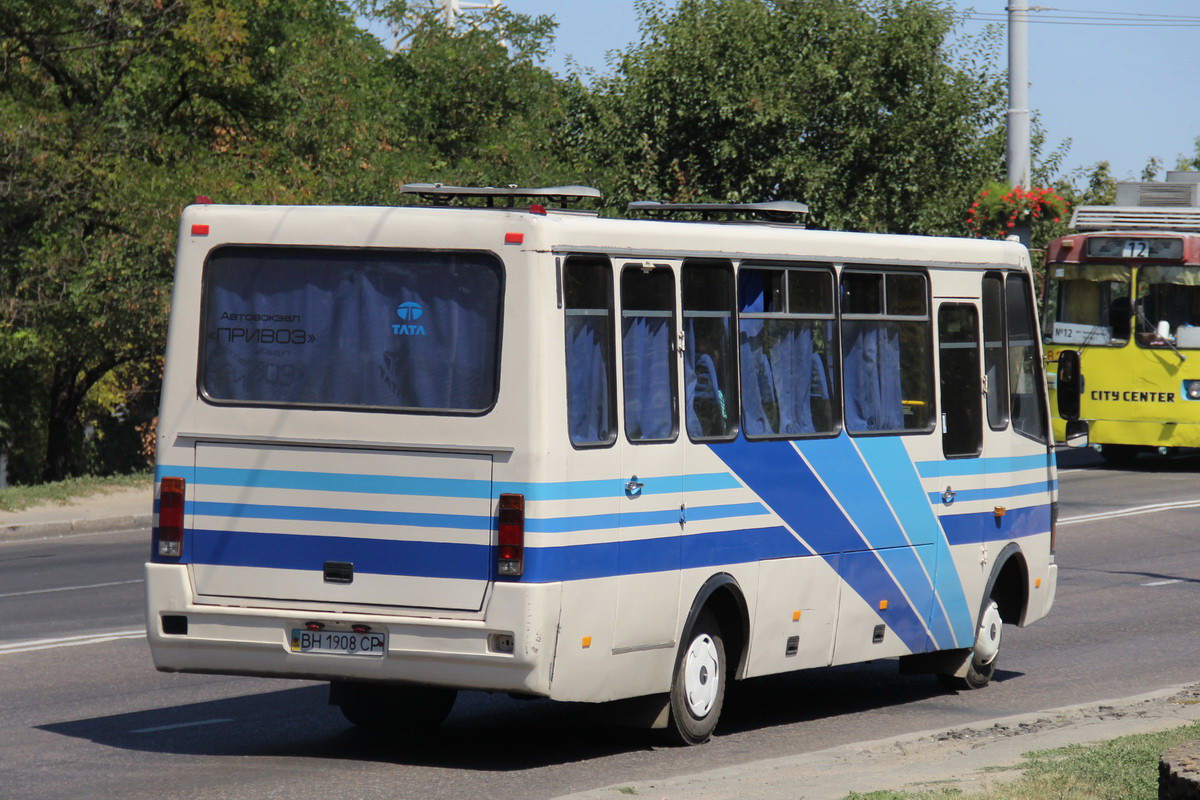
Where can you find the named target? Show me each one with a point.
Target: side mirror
(1077, 433)
(1070, 385)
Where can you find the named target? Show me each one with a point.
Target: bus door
(651, 456)
(961, 408)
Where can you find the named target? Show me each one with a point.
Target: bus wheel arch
(1009, 584)
(722, 596)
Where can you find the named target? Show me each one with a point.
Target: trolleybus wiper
(1142, 316)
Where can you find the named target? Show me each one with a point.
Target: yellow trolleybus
(1124, 294)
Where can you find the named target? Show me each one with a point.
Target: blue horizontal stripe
(351, 515)
(985, 526)
(373, 556)
(632, 519)
(441, 487)
(669, 553)
(465, 521)
(997, 492)
(981, 466)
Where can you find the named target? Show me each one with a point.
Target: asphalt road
(95, 720)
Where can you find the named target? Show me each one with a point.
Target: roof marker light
(537, 208)
(514, 238)
(199, 230)
(202, 200)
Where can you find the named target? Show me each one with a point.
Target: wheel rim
(701, 675)
(987, 638)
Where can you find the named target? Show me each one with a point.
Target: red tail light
(170, 517)
(510, 560)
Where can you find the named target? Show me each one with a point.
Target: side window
(886, 335)
(1024, 368)
(995, 364)
(958, 359)
(648, 353)
(591, 385)
(709, 369)
(787, 352)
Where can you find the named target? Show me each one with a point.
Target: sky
(1119, 92)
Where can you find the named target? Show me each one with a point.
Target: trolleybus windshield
(1169, 294)
(1089, 304)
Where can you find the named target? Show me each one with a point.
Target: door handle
(948, 496)
(634, 487)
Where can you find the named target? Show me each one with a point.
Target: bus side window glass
(786, 345)
(958, 357)
(886, 341)
(1024, 369)
(648, 353)
(709, 371)
(994, 364)
(591, 385)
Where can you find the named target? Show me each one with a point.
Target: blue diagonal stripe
(890, 462)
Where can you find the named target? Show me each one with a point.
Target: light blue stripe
(998, 492)
(888, 459)
(469, 521)
(842, 468)
(443, 487)
(981, 466)
(627, 519)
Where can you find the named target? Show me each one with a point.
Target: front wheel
(698, 687)
(983, 654)
(400, 711)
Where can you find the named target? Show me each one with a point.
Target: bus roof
(574, 232)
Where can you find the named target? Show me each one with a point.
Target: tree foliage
(114, 114)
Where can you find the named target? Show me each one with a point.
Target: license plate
(345, 643)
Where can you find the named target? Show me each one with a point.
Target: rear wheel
(983, 654)
(396, 710)
(1120, 456)
(698, 688)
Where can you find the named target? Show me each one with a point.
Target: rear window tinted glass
(403, 330)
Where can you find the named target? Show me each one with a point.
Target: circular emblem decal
(410, 311)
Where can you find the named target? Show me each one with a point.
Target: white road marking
(1130, 512)
(182, 725)
(72, 588)
(1163, 583)
(70, 641)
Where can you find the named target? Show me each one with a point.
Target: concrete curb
(72, 527)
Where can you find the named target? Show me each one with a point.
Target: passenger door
(962, 410)
(651, 453)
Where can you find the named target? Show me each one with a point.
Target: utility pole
(453, 9)
(1018, 93)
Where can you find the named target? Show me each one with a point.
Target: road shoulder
(966, 757)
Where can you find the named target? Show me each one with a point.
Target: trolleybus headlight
(1191, 390)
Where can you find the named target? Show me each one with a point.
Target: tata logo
(410, 312)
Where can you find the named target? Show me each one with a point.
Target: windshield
(1168, 306)
(1088, 304)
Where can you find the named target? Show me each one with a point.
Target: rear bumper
(425, 650)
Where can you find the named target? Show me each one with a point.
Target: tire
(984, 653)
(403, 711)
(1120, 456)
(698, 686)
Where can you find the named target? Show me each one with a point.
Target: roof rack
(450, 195)
(787, 211)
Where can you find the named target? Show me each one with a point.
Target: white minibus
(487, 444)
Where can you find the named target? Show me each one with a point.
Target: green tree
(113, 115)
(862, 108)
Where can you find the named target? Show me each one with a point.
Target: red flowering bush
(999, 208)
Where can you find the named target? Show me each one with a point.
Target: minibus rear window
(316, 327)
